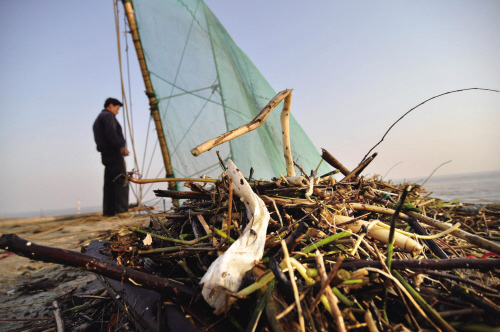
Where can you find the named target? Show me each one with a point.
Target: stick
(58, 317)
(332, 161)
(430, 264)
(361, 167)
(332, 299)
(142, 181)
(471, 238)
(442, 94)
(285, 131)
(34, 251)
(252, 125)
(294, 285)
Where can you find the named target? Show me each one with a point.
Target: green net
(205, 86)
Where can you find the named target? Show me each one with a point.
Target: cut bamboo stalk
(379, 233)
(471, 238)
(252, 125)
(361, 167)
(285, 130)
(332, 161)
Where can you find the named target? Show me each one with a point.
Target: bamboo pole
(153, 103)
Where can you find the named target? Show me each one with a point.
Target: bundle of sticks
(309, 252)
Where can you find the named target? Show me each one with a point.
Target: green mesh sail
(205, 86)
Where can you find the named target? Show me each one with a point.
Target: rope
(152, 155)
(146, 145)
(117, 24)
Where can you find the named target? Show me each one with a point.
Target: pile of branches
(306, 252)
(328, 261)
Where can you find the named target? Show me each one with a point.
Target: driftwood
(285, 131)
(252, 125)
(22, 247)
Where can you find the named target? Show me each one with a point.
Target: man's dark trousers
(115, 198)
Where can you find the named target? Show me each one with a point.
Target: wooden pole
(129, 11)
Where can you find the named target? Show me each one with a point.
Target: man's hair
(112, 101)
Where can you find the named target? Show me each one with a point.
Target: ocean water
(476, 188)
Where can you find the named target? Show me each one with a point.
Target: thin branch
(421, 105)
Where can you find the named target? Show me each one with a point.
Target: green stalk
(390, 243)
(323, 242)
(433, 314)
(252, 325)
(192, 242)
(342, 298)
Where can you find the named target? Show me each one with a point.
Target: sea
(474, 188)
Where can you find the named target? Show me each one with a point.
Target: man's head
(112, 105)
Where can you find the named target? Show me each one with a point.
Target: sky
(355, 68)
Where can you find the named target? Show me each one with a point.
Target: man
(110, 142)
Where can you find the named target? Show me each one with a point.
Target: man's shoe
(124, 215)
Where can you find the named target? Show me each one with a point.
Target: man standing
(110, 142)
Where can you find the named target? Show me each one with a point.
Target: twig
(58, 317)
(420, 105)
(332, 299)
(332, 275)
(294, 285)
(355, 172)
(449, 161)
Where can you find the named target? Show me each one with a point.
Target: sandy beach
(28, 287)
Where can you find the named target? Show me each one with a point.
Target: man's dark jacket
(108, 133)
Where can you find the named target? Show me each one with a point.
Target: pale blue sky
(355, 66)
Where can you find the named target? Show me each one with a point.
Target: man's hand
(124, 152)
